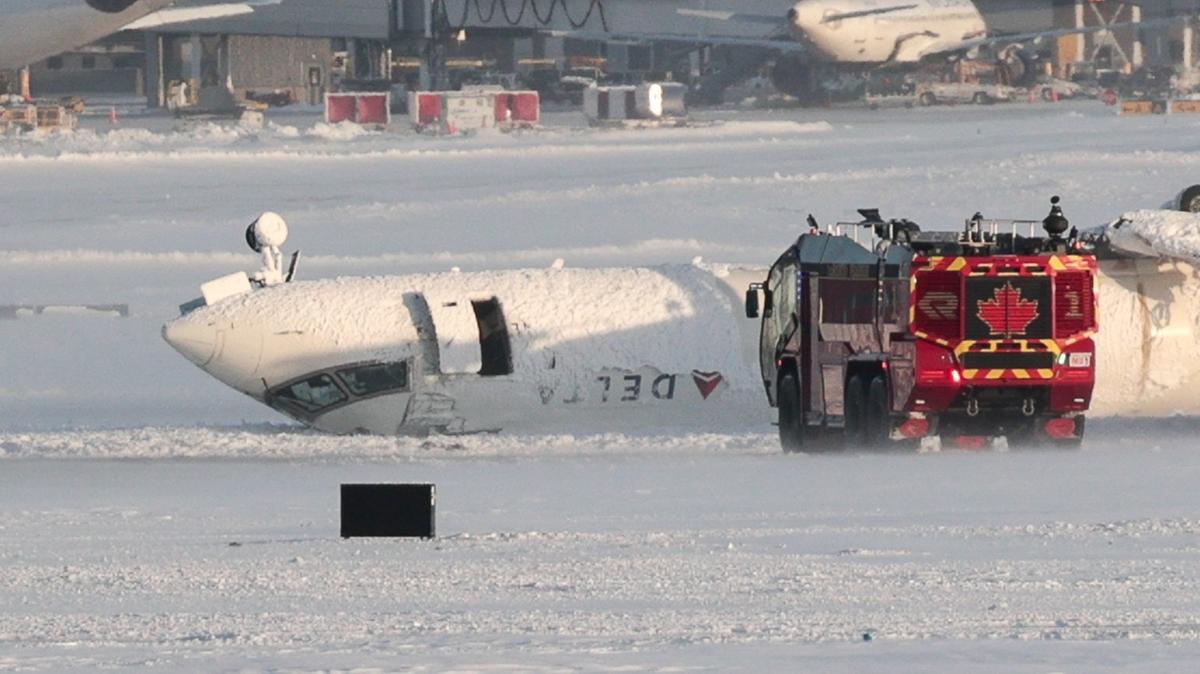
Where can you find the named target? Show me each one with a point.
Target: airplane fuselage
(901, 32)
(31, 30)
(478, 352)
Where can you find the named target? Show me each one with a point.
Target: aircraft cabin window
(313, 393)
(366, 380)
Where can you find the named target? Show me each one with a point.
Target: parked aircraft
(857, 35)
(31, 30)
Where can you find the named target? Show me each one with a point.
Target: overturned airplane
(559, 349)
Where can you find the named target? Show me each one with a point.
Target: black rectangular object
(1008, 307)
(388, 510)
(991, 360)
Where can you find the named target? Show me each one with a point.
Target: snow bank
(339, 131)
(202, 139)
(285, 441)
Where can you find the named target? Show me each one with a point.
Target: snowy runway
(709, 562)
(151, 519)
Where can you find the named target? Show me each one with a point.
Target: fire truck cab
(964, 336)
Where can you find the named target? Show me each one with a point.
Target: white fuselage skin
(631, 348)
(900, 36)
(628, 348)
(31, 30)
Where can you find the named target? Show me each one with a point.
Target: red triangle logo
(707, 382)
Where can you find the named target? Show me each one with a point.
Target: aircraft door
(471, 336)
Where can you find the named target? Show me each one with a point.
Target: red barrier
(429, 107)
(339, 108)
(372, 107)
(526, 107)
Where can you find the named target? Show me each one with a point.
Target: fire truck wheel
(856, 408)
(878, 426)
(791, 421)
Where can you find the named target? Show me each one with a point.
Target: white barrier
(457, 111)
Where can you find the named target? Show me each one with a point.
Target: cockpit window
(366, 380)
(314, 393)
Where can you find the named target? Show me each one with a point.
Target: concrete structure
(114, 66)
(300, 48)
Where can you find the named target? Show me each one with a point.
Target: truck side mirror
(751, 302)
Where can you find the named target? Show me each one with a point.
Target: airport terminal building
(300, 49)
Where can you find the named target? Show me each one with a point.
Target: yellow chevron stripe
(1046, 374)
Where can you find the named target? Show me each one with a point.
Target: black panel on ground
(388, 510)
(494, 346)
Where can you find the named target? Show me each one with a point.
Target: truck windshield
(374, 378)
(312, 394)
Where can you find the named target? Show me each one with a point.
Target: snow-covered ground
(677, 558)
(128, 474)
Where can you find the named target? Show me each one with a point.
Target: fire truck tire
(855, 410)
(878, 423)
(791, 421)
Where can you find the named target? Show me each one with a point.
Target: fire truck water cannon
(967, 336)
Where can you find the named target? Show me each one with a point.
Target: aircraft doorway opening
(494, 346)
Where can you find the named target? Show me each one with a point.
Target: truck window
(312, 394)
(771, 323)
(846, 300)
(365, 380)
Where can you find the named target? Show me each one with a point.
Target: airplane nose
(195, 340)
(804, 16)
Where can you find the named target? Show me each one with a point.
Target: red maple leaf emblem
(1007, 313)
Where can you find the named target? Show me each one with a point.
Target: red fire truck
(964, 336)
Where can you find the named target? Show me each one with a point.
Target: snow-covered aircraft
(469, 352)
(563, 349)
(31, 30)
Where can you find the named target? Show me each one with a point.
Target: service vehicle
(965, 337)
(939, 93)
